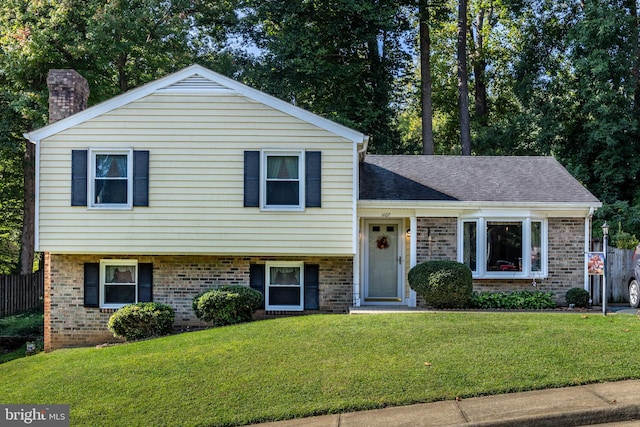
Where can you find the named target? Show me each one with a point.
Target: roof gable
(196, 79)
(513, 179)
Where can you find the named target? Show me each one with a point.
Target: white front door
(383, 258)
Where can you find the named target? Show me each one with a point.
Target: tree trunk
(28, 221)
(425, 82)
(479, 68)
(121, 63)
(463, 80)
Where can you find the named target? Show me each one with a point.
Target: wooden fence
(619, 264)
(20, 293)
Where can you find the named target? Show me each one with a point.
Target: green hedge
(142, 320)
(442, 283)
(228, 305)
(524, 300)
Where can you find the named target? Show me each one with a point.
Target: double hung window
(285, 289)
(283, 180)
(111, 183)
(118, 283)
(500, 248)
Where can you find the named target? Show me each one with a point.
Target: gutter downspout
(357, 158)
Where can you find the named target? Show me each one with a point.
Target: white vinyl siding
(196, 146)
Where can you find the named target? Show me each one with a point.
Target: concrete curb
(568, 419)
(569, 406)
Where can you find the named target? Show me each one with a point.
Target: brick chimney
(68, 93)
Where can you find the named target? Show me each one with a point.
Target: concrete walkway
(381, 309)
(570, 406)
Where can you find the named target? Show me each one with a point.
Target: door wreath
(382, 242)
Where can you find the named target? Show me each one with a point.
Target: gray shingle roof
(470, 178)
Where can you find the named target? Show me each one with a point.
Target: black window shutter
(311, 287)
(145, 282)
(313, 167)
(92, 285)
(257, 277)
(79, 177)
(251, 178)
(140, 178)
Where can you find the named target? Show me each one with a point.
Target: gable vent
(195, 83)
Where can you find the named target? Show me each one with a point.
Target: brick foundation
(176, 281)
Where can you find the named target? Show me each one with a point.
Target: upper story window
(504, 248)
(111, 182)
(283, 180)
(110, 179)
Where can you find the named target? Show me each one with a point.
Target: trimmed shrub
(142, 320)
(577, 296)
(523, 300)
(228, 305)
(442, 284)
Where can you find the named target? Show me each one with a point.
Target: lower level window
(503, 248)
(118, 283)
(284, 286)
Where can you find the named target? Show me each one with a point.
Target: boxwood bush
(142, 320)
(442, 284)
(228, 305)
(524, 300)
(577, 296)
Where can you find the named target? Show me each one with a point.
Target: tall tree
(576, 81)
(483, 18)
(335, 58)
(425, 78)
(463, 80)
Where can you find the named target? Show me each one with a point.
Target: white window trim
(92, 179)
(294, 264)
(301, 180)
(108, 262)
(481, 243)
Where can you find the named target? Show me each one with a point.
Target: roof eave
(37, 135)
(457, 204)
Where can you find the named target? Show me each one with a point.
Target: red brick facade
(437, 239)
(176, 281)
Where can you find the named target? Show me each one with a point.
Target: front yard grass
(308, 365)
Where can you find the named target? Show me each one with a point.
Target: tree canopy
(543, 77)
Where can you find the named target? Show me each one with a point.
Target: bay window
(503, 248)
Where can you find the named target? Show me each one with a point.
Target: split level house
(195, 180)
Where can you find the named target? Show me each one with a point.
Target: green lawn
(300, 366)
